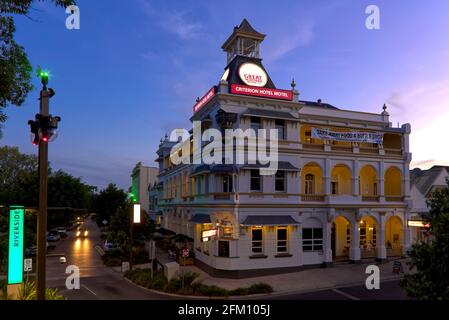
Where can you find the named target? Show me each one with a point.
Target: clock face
(253, 75)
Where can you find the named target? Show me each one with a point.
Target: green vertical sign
(15, 257)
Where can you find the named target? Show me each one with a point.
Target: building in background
(142, 177)
(155, 191)
(423, 183)
(341, 191)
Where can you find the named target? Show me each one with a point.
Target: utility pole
(42, 217)
(44, 130)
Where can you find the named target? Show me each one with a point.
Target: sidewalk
(302, 281)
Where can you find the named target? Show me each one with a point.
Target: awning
(224, 168)
(270, 114)
(282, 165)
(269, 220)
(204, 168)
(200, 218)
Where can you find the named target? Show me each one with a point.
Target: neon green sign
(15, 257)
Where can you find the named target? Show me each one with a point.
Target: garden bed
(189, 285)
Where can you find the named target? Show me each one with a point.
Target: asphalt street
(100, 282)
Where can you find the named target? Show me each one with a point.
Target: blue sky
(134, 69)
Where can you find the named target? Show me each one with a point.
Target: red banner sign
(262, 92)
(205, 99)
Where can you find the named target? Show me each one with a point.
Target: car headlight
(78, 234)
(86, 233)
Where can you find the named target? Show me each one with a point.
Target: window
(256, 240)
(312, 239)
(334, 187)
(223, 248)
(280, 127)
(375, 188)
(255, 124)
(227, 183)
(308, 136)
(309, 184)
(255, 180)
(282, 239)
(279, 181)
(348, 235)
(363, 234)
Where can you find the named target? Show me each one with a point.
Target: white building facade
(331, 199)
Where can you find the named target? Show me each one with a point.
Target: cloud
(300, 35)
(175, 22)
(425, 105)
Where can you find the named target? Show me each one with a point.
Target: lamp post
(44, 130)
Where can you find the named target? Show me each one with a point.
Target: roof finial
(384, 107)
(293, 84)
(197, 99)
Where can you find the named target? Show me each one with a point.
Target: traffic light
(34, 127)
(44, 128)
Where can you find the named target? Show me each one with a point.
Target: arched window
(309, 184)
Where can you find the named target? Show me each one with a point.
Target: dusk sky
(133, 70)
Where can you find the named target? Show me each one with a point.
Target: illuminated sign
(418, 223)
(15, 257)
(253, 75)
(209, 233)
(262, 92)
(136, 213)
(205, 99)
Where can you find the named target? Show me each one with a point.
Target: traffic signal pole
(42, 215)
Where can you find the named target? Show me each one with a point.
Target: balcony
(394, 152)
(312, 197)
(394, 198)
(221, 195)
(312, 146)
(370, 198)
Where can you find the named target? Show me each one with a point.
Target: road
(97, 282)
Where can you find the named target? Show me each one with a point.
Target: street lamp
(44, 130)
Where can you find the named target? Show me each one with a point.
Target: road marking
(347, 295)
(89, 290)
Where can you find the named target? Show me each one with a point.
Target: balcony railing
(312, 146)
(371, 198)
(395, 152)
(341, 148)
(312, 197)
(222, 195)
(394, 198)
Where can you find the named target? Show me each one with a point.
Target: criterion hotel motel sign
(15, 253)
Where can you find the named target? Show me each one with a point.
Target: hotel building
(341, 191)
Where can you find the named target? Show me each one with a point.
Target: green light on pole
(15, 256)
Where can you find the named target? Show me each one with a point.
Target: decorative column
(355, 178)
(380, 244)
(382, 181)
(355, 241)
(406, 231)
(327, 177)
(328, 244)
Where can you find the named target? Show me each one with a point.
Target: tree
(106, 203)
(119, 228)
(15, 68)
(430, 260)
(18, 176)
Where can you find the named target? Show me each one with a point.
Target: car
(110, 246)
(32, 251)
(62, 232)
(82, 233)
(53, 236)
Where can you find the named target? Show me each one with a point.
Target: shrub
(174, 285)
(211, 291)
(189, 277)
(239, 292)
(260, 288)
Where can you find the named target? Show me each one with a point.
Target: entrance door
(333, 239)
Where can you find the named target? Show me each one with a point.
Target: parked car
(110, 246)
(32, 251)
(82, 233)
(62, 232)
(53, 236)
